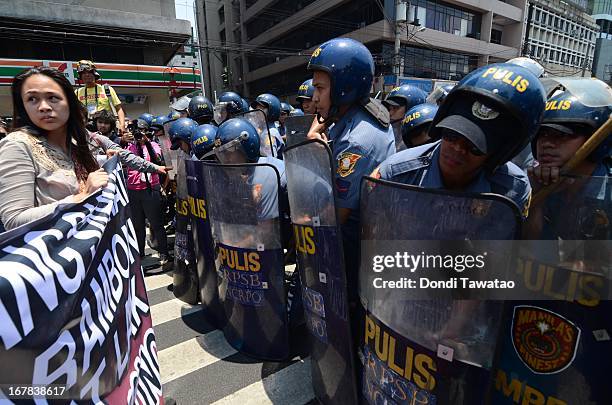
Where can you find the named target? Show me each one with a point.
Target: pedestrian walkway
(198, 366)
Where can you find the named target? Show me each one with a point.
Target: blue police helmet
(504, 101)
(565, 113)
(203, 139)
(235, 127)
(174, 115)
(200, 107)
(405, 95)
(233, 100)
(296, 112)
(306, 90)
(416, 118)
(350, 67)
(245, 105)
(273, 104)
(286, 108)
(159, 121)
(148, 118)
(183, 129)
(529, 64)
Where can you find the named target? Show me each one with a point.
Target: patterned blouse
(35, 177)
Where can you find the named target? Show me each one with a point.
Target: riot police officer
(203, 140)
(229, 105)
(304, 97)
(285, 112)
(271, 106)
(415, 126)
(181, 132)
(567, 124)
(361, 137)
(398, 102)
(484, 122)
(200, 110)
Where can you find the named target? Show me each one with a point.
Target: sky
(184, 11)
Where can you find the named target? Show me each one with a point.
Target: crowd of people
(459, 137)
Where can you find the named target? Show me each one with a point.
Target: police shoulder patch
(346, 163)
(545, 341)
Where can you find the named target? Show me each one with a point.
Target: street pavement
(198, 366)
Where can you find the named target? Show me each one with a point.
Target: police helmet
(200, 108)
(174, 115)
(350, 67)
(233, 102)
(405, 95)
(416, 118)
(245, 105)
(272, 103)
(286, 108)
(182, 130)
(159, 121)
(438, 95)
(296, 112)
(147, 117)
(240, 128)
(497, 107)
(203, 139)
(529, 64)
(306, 90)
(566, 113)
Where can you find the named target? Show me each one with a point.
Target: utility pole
(200, 58)
(527, 29)
(400, 19)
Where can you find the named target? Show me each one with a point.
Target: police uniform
(265, 184)
(419, 167)
(359, 144)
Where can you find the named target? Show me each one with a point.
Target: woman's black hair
(76, 121)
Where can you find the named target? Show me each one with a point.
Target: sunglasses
(452, 136)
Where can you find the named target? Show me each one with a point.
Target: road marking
(291, 385)
(158, 281)
(194, 354)
(171, 309)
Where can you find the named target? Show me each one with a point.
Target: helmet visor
(589, 91)
(436, 95)
(231, 152)
(221, 112)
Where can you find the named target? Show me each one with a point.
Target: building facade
(561, 36)
(601, 12)
(141, 35)
(266, 44)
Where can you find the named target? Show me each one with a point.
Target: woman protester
(46, 161)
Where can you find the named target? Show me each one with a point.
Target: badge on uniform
(346, 163)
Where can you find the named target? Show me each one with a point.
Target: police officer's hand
(541, 176)
(164, 169)
(317, 130)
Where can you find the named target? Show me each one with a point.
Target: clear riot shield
(204, 248)
(425, 346)
(185, 278)
(321, 268)
(296, 128)
(260, 122)
(170, 156)
(243, 204)
(556, 343)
